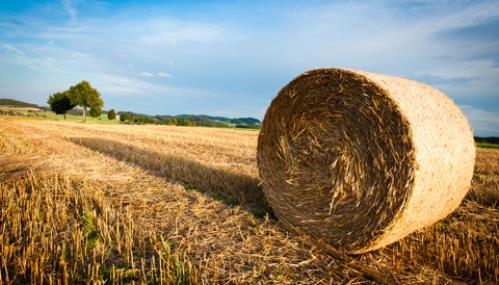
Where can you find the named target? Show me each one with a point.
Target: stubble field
(177, 205)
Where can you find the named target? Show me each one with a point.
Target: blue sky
(230, 58)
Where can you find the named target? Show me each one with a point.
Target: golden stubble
(155, 204)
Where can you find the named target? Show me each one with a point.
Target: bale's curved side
(445, 155)
(360, 159)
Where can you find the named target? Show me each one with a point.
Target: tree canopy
(60, 103)
(111, 114)
(84, 95)
(95, 111)
(81, 94)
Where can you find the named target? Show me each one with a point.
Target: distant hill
(206, 120)
(235, 121)
(248, 120)
(207, 117)
(191, 120)
(17, 103)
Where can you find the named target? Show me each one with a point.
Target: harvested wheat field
(84, 203)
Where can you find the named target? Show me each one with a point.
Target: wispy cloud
(12, 48)
(157, 74)
(433, 79)
(483, 122)
(114, 84)
(122, 85)
(146, 74)
(171, 32)
(164, 74)
(69, 7)
(20, 58)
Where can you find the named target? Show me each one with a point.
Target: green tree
(111, 115)
(95, 111)
(60, 103)
(124, 117)
(84, 95)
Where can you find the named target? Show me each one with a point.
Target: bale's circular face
(335, 157)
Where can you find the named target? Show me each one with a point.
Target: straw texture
(360, 160)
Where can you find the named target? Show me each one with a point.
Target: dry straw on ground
(361, 160)
(216, 241)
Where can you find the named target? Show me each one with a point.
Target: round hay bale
(360, 160)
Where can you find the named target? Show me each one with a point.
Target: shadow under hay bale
(360, 159)
(220, 184)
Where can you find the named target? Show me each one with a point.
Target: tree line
(189, 120)
(134, 118)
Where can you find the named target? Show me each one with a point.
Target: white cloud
(146, 74)
(158, 74)
(164, 74)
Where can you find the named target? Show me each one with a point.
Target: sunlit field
(182, 205)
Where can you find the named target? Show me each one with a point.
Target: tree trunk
(64, 116)
(84, 114)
